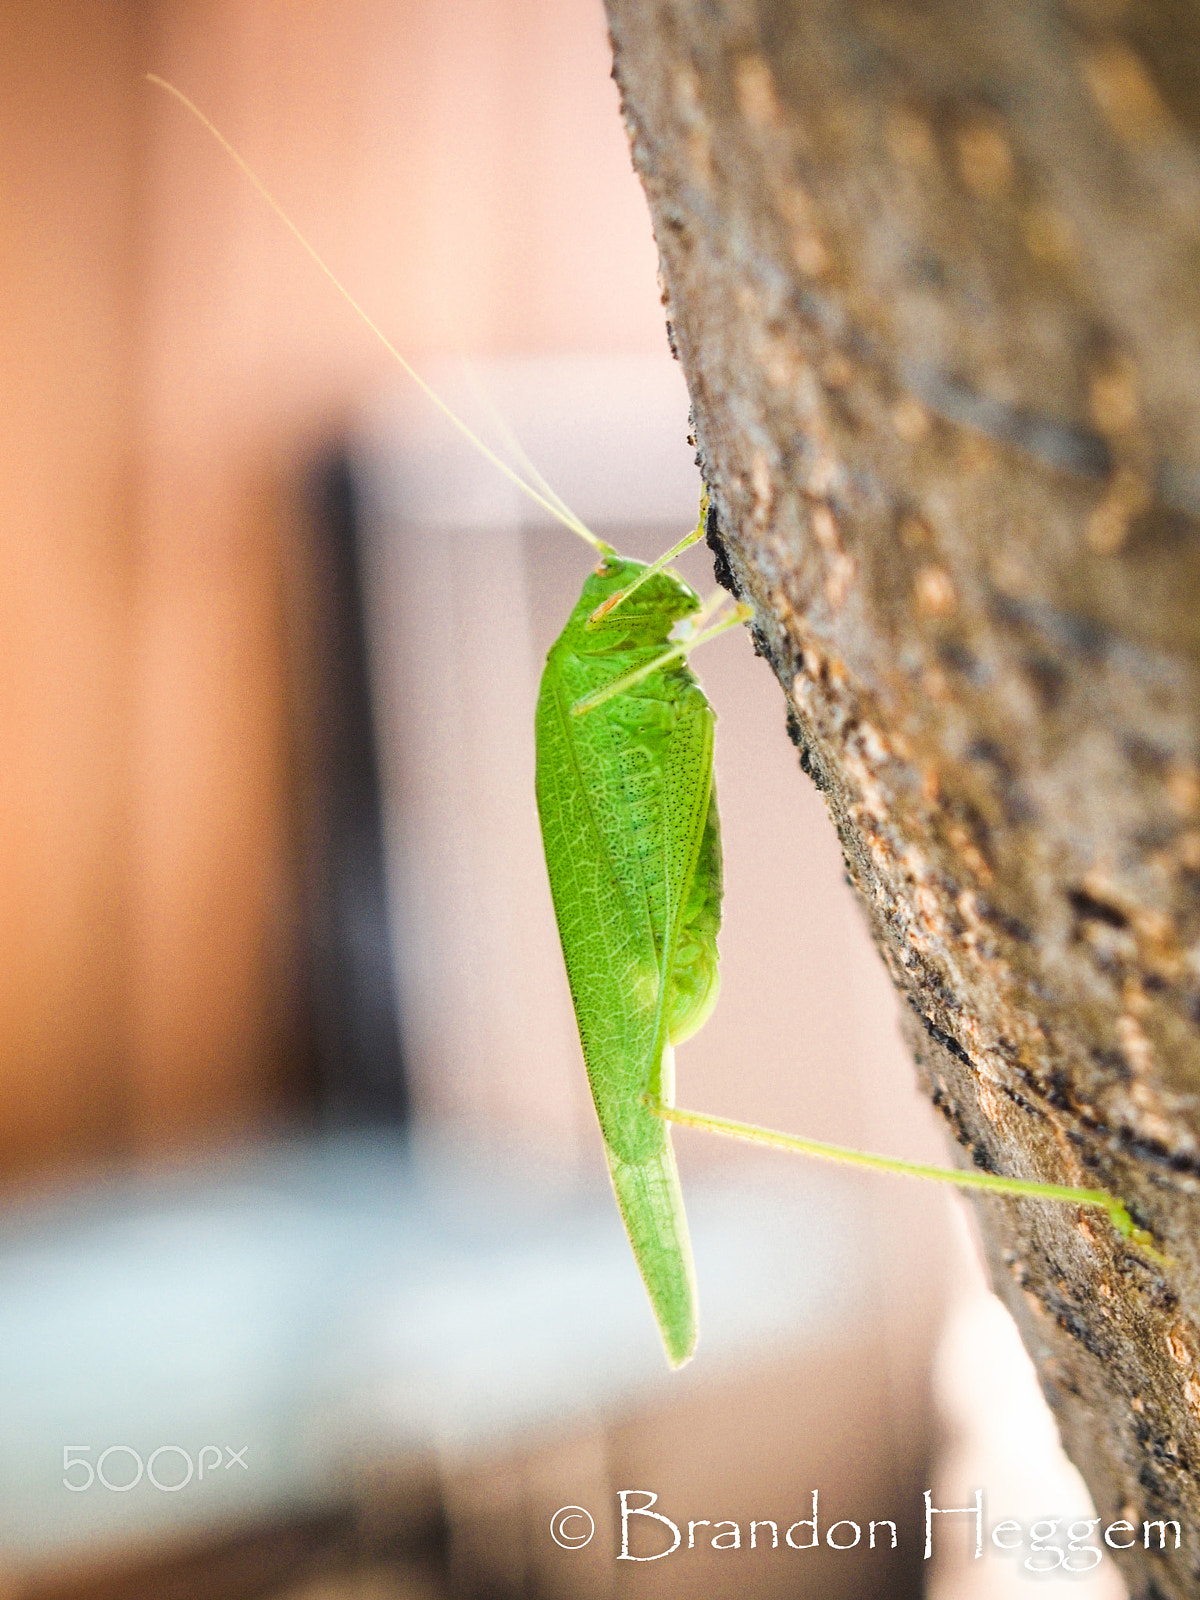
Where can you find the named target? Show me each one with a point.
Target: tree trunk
(933, 272)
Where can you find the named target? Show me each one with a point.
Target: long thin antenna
(514, 446)
(556, 511)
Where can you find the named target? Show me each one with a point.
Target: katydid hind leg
(990, 1183)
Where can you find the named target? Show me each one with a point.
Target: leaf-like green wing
(651, 1206)
(608, 946)
(604, 908)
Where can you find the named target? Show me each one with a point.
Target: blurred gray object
(319, 1310)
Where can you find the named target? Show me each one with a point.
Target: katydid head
(645, 615)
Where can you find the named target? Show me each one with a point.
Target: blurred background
(310, 1284)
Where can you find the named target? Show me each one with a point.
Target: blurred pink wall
(170, 355)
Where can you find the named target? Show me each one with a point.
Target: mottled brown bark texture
(933, 271)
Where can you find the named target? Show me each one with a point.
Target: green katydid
(633, 849)
(632, 841)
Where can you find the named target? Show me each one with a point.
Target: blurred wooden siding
(170, 359)
(67, 485)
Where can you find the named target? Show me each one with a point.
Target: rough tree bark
(933, 274)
